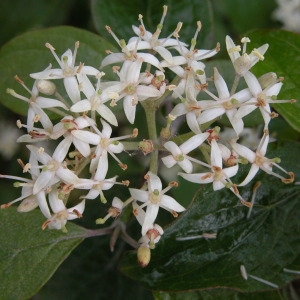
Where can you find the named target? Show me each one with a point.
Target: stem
(235, 84)
(150, 110)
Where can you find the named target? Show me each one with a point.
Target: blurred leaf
(265, 243)
(120, 16)
(27, 54)
(283, 63)
(92, 269)
(31, 14)
(219, 294)
(239, 16)
(28, 255)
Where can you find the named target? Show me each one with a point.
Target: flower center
(104, 143)
(261, 100)
(155, 197)
(130, 89)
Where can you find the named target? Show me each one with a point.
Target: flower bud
(267, 79)
(46, 87)
(143, 256)
(28, 204)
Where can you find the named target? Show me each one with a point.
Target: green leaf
(243, 15)
(220, 294)
(32, 14)
(27, 54)
(121, 15)
(282, 58)
(28, 255)
(265, 243)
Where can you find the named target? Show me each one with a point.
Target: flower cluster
(84, 135)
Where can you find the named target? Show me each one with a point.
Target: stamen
(255, 188)
(245, 275)
(291, 271)
(194, 237)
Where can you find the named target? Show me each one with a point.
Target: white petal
(193, 142)
(92, 194)
(102, 167)
(154, 182)
(79, 207)
(192, 122)
(221, 85)
(215, 155)
(169, 161)
(151, 214)
(106, 130)
(42, 157)
(62, 149)
(82, 147)
(173, 148)
(210, 114)
(252, 83)
(112, 59)
(186, 165)
(81, 106)
(231, 171)
(107, 114)
(118, 148)
(48, 103)
(48, 74)
(201, 178)
(67, 176)
(129, 109)
(56, 204)
(87, 136)
(117, 203)
(147, 91)
(139, 195)
(170, 204)
(72, 88)
(42, 181)
(244, 152)
(43, 205)
(253, 170)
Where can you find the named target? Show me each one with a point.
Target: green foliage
(265, 243)
(120, 15)
(28, 255)
(281, 58)
(27, 54)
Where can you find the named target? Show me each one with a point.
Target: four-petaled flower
(153, 199)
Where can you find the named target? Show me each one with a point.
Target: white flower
(101, 184)
(154, 232)
(153, 199)
(107, 144)
(191, 56)
(36, 104)
(260, 161)
(243, 63)
(130, 89)
(53, 168)
(147, 40)
(94, 101)
(61, 214)
(67, 71)
(129, 53)
(218, 176)
(288, 13)
(260, 98)
(179, 153)
(72, 129)
(30, 200)
(224, 103)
